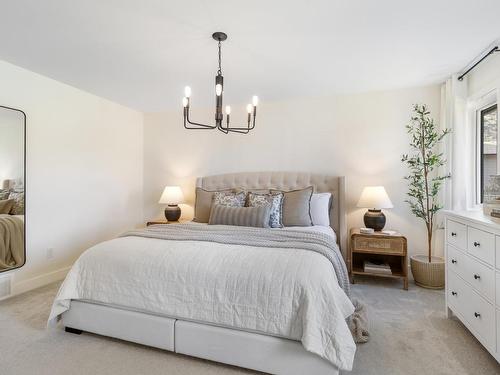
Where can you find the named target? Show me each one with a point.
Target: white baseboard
(37, 281)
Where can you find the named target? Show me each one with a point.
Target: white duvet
(289, 293)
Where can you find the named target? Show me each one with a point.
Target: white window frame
(479, 105)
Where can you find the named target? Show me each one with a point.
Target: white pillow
(320, 209)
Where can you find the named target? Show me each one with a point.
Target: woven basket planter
(428, 275)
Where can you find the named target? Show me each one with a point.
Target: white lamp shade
(374, 197)
(172, 195)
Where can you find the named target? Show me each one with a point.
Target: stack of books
(374, 267)
(495, 212)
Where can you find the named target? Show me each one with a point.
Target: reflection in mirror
(12, 174)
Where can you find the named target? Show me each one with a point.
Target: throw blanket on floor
(11, 241)
(277, 282)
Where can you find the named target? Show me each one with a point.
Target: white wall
(84, 171)
(485, 77)
(360, 136)
(11, 145)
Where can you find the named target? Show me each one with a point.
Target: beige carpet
(410, 335)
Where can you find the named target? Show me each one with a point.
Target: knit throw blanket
(268, 238)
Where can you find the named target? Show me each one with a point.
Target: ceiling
(141, 53)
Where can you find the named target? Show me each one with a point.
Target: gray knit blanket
(268, 238)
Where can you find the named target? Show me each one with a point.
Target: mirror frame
(24, 183)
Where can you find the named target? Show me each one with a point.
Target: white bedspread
(289, 293)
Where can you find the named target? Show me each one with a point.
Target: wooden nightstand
(391, 249)
(162, 221)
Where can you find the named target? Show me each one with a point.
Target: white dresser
(473, 274)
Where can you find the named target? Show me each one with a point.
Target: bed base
(238, 348)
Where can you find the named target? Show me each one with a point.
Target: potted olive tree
(424, 184)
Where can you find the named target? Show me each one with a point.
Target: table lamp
(374, 198)
(172, 196)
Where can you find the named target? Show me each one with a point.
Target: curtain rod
(492, 51)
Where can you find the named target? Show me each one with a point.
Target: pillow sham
(275, 200)
(240, 216)
(229, 198)
(6, 206)
(18, 208)
(4, 194)
(320, 208)
(297, 207)
(203, 204)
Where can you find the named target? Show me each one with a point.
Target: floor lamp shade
(374, 198)
(172, 196)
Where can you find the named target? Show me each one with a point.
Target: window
(488, 157)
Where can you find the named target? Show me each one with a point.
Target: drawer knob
(453, 293)
(477, 315)
(453, 261)
(476, 277)
(476, 244)
(453, 234)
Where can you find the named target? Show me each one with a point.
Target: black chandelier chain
(219, 113)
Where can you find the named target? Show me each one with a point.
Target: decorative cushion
(240, 216)
(6, 206)
(18, 208)
(203, 204)
(320, 208)
(275, 200)
(297, 207)
(229, 199)
(4, 194)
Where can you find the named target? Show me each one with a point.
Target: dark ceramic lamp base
(172, 212)
(374, 219)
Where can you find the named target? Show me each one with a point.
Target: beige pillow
(203, 204)
(6, 205)
(296, 208)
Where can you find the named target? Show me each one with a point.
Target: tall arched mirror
(12, 183)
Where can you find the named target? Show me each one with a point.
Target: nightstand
(162, 221)
(378, 247)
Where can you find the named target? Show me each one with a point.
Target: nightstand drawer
(481, 244)
(379, 245)
(456, 234)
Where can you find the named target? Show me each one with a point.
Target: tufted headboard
(290, 181)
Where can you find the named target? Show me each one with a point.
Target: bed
(11, 241)
(263, 299)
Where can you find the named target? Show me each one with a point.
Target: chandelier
(219, 116)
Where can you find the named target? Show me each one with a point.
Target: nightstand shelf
(378, 247)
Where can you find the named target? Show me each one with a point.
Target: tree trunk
(429, 243)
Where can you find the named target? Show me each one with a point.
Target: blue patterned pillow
(229, 199)
(273, 199)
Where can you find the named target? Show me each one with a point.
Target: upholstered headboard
(290, 181)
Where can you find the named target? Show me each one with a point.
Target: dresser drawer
(497, 245)
(457, 295)
(456, 261)
(456, 234)
(498, 297)
(380, 245)
(481, 315)
(481, 244)
(481, 277)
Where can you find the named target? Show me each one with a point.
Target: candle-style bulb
(249, 108)
(185, 102)
(255, 100)
(228, 110)
(187, 92)
(218, 89)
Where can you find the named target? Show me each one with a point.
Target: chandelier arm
(199, 126)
